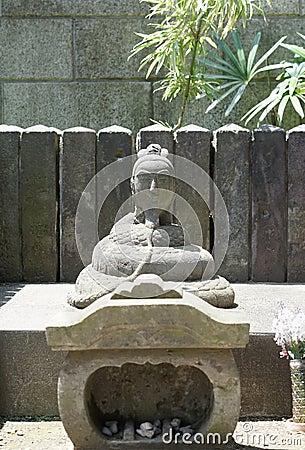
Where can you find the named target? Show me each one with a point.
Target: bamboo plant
(182, 33)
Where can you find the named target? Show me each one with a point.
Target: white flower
(298, 326)
(288, 325)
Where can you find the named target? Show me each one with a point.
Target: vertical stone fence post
(45, 171)
(38, 173)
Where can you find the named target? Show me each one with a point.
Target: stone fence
(260, 175)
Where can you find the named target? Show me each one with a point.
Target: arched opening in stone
(146, 392)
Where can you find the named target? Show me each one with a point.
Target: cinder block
(194, 144)
(89, 104)
(232, 178)
(72, 7)
(10, 232)
(302, 7)
(269, 205)
(36, 49)
(113, 145)
(77, 168)
(281, 8)
(168, 112)
(103, 46)
(296, 208)
(39, 200)
(272, 30)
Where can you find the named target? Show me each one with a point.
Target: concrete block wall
(64, 63)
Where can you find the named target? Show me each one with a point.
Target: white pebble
(106, 431)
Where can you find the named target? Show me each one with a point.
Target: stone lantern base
(133, 360)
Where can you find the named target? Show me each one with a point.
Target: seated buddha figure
(147, 241)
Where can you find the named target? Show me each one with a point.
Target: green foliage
(236, 70)
(182, 33)
(289, 90)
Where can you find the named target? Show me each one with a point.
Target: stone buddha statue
(147, 241)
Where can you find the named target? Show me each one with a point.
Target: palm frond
(238, 67)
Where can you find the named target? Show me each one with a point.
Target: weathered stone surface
(39, 203)
(148, 283)
(128, 434)
(82, 422)
(96, 7)
(91, 104)
(106, 431)
(155, 134)
(148, 323)
(38, 49)
(149, 391)
(10, 233)
(103, 47)
(296, 208)
(266, 383)
(113, 145)
(269, 205)
(72, 7)
(77, 167)
(194, 143)
(281, 7)
(302, 7)
(30, 376)
(232, 178)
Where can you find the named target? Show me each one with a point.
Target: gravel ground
(50, 435)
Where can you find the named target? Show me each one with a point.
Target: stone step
(29, 368)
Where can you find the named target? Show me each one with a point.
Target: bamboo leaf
(281, 108)
(292, 85)
(235, 99)
(282, 65)
(240, 51)
(221, 65)
(258, 107)
(253, 51)
(228, 52)
(295, 49)
(268, 53)
(297, 106)
(222, 97)
(268, 109)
